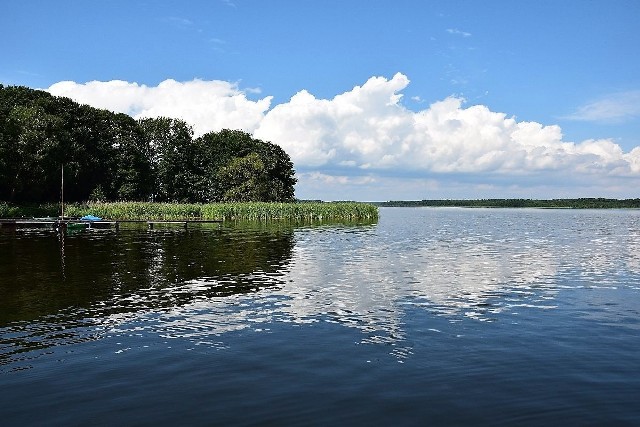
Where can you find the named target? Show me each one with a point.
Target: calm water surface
(429, 317)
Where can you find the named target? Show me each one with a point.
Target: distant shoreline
(580, 203)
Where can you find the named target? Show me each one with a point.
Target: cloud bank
(365, 140)
(206, 105)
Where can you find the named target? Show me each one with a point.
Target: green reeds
(9, 210)
(136, 210)
(251, 211)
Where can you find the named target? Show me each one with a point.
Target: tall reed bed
(136, 210)
(253, 211)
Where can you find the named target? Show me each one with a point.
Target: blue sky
(374, 100)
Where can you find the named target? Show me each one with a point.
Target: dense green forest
(108, 156)
(582, 203)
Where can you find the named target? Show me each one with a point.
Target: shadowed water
(431, 316)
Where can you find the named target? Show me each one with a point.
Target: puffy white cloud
(368, 128)
(206, 105)
(366, 137)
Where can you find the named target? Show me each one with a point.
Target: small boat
(76, 225)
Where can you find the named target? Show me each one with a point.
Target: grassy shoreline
(253, 211)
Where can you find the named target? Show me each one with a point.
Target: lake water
(432, 316)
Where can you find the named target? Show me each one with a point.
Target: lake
(431, 316)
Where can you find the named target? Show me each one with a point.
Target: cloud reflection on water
(453, 263)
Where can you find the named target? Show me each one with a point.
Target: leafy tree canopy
(114, 157)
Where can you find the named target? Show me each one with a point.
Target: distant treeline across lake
(582, 203)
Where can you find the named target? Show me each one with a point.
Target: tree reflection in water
(56, 289)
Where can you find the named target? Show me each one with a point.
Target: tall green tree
(177, 160)
(245, 179)
(22, 127)
(133, 176)
(223, 147)
(30, 152)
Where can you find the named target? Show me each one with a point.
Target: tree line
(110, 156)
(580, 203)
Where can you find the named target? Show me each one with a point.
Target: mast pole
(62, 192)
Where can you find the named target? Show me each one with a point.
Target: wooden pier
(68, 223)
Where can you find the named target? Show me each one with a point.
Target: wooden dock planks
(67, 223)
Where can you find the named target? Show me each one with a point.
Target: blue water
(429, 317)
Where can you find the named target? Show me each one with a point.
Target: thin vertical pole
(62, 192)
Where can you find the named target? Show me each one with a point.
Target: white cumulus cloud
(366, 137)
(369, 128)
(206, 105)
